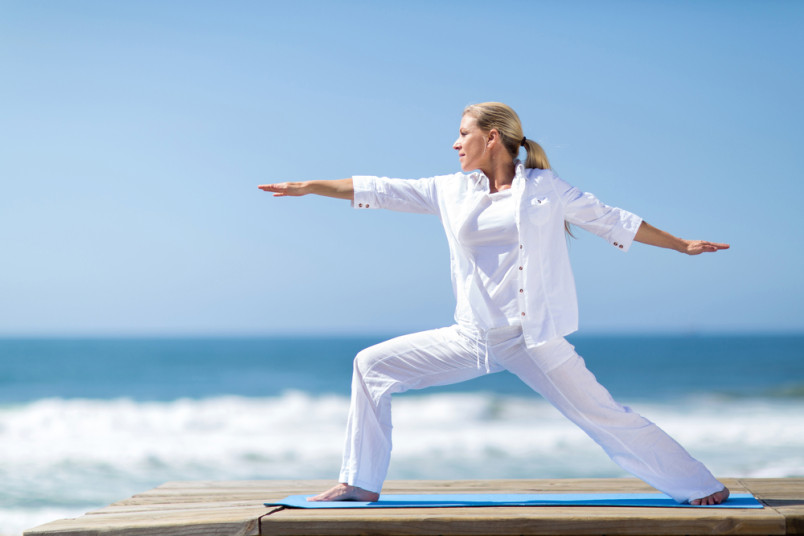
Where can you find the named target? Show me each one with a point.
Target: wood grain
(236, 509)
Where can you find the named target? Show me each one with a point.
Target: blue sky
(133, 136)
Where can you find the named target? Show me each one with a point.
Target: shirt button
(361, 205)
(621, 246)
(367, 205)
(523, 314)
(520, 246)
(522, 291)
(616, 244)
(520, 267)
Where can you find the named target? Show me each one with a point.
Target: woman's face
(471, 145)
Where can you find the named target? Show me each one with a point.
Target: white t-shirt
(490, 237)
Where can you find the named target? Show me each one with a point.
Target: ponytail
(536, 158)
(497, 115)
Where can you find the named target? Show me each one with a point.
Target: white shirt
(546, 295)
(490, 238)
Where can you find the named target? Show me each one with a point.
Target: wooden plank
(573, 520)
(784, 495)
(234, 522)
(518, 521)
(174, 509)
(236, 509)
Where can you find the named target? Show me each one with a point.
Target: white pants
(451, 355)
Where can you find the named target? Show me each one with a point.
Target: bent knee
(365, 360)
(368, 372)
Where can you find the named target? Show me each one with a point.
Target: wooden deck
(236, 509)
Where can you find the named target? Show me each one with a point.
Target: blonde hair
(496, 115)
(502, 117)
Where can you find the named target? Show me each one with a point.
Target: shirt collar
(482, 182)
(519, 170)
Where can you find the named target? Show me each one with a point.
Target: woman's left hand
(648, 234)
(696, 247)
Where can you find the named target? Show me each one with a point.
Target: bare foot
(715, 498)
(345, 492)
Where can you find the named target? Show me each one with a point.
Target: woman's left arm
(648, 234)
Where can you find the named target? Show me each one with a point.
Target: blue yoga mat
(441, 500)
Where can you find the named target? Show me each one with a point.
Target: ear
(494, 137)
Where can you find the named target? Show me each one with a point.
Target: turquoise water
(655, 367)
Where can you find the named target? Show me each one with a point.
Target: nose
(456, 145)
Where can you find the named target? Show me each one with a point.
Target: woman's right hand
(283, 189)
(340, 189)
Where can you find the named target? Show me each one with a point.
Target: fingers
(272, 187)
(696, 247)
(280, 189)
(713, 246)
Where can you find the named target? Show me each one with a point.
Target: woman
(516, 302)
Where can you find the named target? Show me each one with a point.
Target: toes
(335, 493)
(716, 498)
(345, 492)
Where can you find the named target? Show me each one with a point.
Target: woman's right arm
(339, 189)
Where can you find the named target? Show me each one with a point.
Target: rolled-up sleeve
(404, 195)
(615, 225)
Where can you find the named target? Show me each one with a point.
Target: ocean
(86, 422)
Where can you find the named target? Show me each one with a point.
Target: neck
(500, 174)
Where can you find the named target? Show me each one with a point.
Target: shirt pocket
(538, 209)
